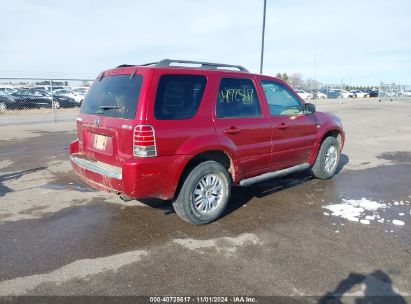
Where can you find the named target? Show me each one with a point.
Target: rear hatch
(106, 120)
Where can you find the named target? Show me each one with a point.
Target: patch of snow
(365, 222)
(396, 203)
(398, 222)
(224, 244)
(370, 217)
(352, 210)
(76, 270)
(401, 214)
(380, 221)
(326, 213)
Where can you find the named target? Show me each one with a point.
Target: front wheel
(204, 193)
(327, 159)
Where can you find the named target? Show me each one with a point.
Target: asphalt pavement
(350, 235)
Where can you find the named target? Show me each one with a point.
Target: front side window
(178, 96)
(280, 99)
(237, 97)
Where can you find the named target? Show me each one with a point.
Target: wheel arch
(336, 133)
(333, 132)
(220, 156)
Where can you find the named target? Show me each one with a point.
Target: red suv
(170, 131)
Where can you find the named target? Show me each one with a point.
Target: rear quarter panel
(184, 136)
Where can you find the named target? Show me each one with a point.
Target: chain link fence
(35, 100)
(29, 100)
(393, 92)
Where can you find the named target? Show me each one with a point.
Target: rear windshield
(113, 96)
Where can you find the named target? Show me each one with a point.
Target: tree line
(296, 81)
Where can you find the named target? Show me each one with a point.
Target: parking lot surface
(291, 236)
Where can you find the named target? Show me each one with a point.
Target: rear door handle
(232, 130)
(282, 126)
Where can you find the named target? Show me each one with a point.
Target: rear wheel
(327, 159)
(204, 193)
(3, 106)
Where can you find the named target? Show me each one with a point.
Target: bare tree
(296, 80)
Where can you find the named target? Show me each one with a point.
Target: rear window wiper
(104, 108)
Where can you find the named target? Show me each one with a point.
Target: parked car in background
(62, 101)
(42, 88)
(8, 90)
(389, 94)
(80, 91)
(69, 93)
(7, 101)
(373, 93)
(318, 95)
(32, 99)
(303, 94)
(360, 94)
(59, 100)
(338, 93)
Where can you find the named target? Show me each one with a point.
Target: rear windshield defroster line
(113, 96)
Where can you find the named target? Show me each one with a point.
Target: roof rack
(204, 65)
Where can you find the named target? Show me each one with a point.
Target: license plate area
(100, 142)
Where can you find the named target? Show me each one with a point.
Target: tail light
(144, 141)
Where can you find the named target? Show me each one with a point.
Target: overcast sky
(358, 42)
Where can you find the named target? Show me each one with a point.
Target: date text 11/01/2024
(201, 299)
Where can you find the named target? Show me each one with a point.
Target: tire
(55, 105)
(193, 199)
(3, 106)
(326, 164)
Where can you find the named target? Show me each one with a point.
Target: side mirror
(309, 108)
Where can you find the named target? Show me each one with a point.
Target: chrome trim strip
(98, 167)
(279, 173)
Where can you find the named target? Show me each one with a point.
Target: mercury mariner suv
(187, 131)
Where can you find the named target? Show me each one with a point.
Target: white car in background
(303, 94)
(69, 93)
(319, 95)
(8, 90)
(80, 91)
(360, 94)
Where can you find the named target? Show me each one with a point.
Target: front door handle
(232, 130)
(282, 126)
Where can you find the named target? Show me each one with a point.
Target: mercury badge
(97, 122)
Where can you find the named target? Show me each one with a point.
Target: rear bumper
(155, 177)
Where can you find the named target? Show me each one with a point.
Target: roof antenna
(134, 73)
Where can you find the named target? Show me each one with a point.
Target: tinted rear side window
(178, 96)
(113, 96)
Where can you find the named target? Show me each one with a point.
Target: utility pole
(262, 39)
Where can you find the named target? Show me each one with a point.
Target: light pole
(262, 39)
